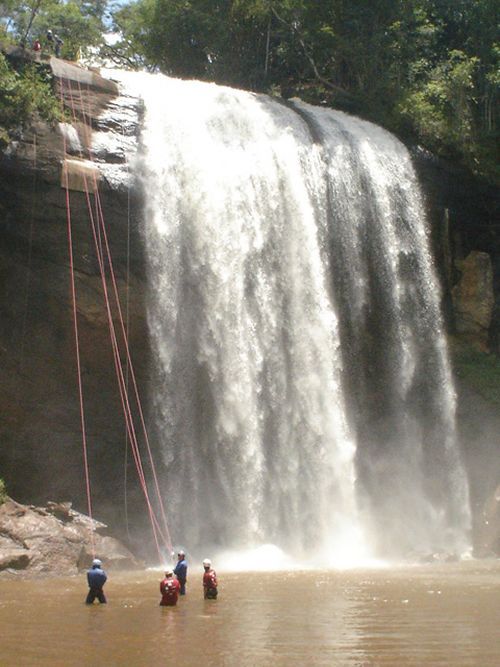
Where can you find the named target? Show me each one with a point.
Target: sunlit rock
(55, 540)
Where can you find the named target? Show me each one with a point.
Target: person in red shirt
(37, 49)
(209, 581)
(169, 589)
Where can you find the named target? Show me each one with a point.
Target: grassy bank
(478, 369)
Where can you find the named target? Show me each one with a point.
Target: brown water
(432, 615)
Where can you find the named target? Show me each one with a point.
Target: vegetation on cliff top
(425, 69)
(79, 23)
(24, 92)
(25, 89)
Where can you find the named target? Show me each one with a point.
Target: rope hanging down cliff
(104, 259)
(78, 362)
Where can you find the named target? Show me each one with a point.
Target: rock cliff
(464, 214)
(41, 451)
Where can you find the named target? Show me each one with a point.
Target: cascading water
(302, 393)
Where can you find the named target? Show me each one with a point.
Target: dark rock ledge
(55, 540)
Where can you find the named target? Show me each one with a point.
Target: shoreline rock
(55, 539)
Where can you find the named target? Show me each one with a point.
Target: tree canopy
(79, 23)
(424, 68)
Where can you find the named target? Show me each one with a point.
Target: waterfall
(302, 393)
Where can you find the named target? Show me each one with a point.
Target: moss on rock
(480, 370)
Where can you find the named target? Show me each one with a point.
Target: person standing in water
(180, 571)
(209, 581)
(169, 589)
(96, 578)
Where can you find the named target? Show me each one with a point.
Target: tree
(131, 27)
(448, 98)
(23, 94)
(79, 23)
(427, 69)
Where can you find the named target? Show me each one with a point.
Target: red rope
(99, 234)
(77, 346)
(125, 340)
(134, 382)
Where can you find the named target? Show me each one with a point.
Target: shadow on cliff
(41, 455)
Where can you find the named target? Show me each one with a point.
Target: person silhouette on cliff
(96, 578)
(57, 45)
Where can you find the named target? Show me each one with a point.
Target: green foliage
(22, 94)
(133, 25)
(441, 106)
(427, 69)
(480, 370)
(79, 23)
(3, 491)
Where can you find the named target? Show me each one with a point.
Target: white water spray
(302, 390)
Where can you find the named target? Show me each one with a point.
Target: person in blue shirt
(96, 578)
(180, 571)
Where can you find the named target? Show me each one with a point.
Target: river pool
(446, 614)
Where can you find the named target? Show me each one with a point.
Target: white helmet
(207, 562)
(96, 563)
(169, 572)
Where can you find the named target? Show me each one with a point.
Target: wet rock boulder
(13, 556)
(55, 540)
(473, 298)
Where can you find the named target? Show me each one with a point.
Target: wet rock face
(41, 451)
(480, 434)
(489, 534)
(55, 540)
(473, 298)
(464, 214)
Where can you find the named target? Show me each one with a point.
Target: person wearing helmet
(169, 589)
(96, 578)
(180, 571)
(209, 581)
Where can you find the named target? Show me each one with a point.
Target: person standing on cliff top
(180, 571)
(58, 44)
(96, 578)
